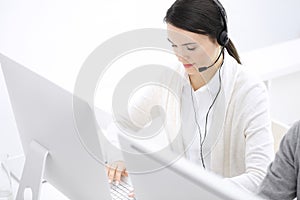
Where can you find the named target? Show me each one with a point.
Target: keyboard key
(122, 191)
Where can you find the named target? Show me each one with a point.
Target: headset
(222, 37)
(223, 40)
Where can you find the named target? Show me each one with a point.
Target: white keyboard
(121, 191)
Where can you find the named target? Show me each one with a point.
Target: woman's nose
(181, 54)
(182, 59)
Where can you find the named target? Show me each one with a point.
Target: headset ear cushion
(223, 38)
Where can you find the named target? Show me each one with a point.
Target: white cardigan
(239, 141)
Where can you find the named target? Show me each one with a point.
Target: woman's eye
(191, 48)
(173, 45)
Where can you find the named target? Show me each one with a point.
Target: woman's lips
(188, 65)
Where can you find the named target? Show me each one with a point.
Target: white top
(202, 99)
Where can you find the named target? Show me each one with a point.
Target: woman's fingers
(115, 171)
(118, 175)
(125, 173)
(111, 174)
(107, 167)
(131, 194)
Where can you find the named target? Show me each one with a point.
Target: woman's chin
(191, 70)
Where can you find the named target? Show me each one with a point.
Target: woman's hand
(115, 171)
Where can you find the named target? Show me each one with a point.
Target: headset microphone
(202, 69)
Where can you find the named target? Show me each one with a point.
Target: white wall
(54, 37)
(258, 23)
(285, 99)
(9, 139)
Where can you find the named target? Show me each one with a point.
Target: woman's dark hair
(199, 16)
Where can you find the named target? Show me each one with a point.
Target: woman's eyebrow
(170, 40)
(182, 44)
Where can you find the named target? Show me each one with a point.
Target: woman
(220, 104)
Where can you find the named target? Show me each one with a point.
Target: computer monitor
(53, 147)
(165, 175)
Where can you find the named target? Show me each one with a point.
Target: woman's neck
(200, 79)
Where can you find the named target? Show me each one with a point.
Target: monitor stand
(33, 172)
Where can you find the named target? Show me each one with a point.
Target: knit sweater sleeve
(259, 146)
(281, 179)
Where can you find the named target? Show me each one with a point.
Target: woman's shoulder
(246, 81)
(240, 78)
(247, 88)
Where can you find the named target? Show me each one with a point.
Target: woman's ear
(214, 40)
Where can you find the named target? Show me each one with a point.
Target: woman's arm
(259, 145)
